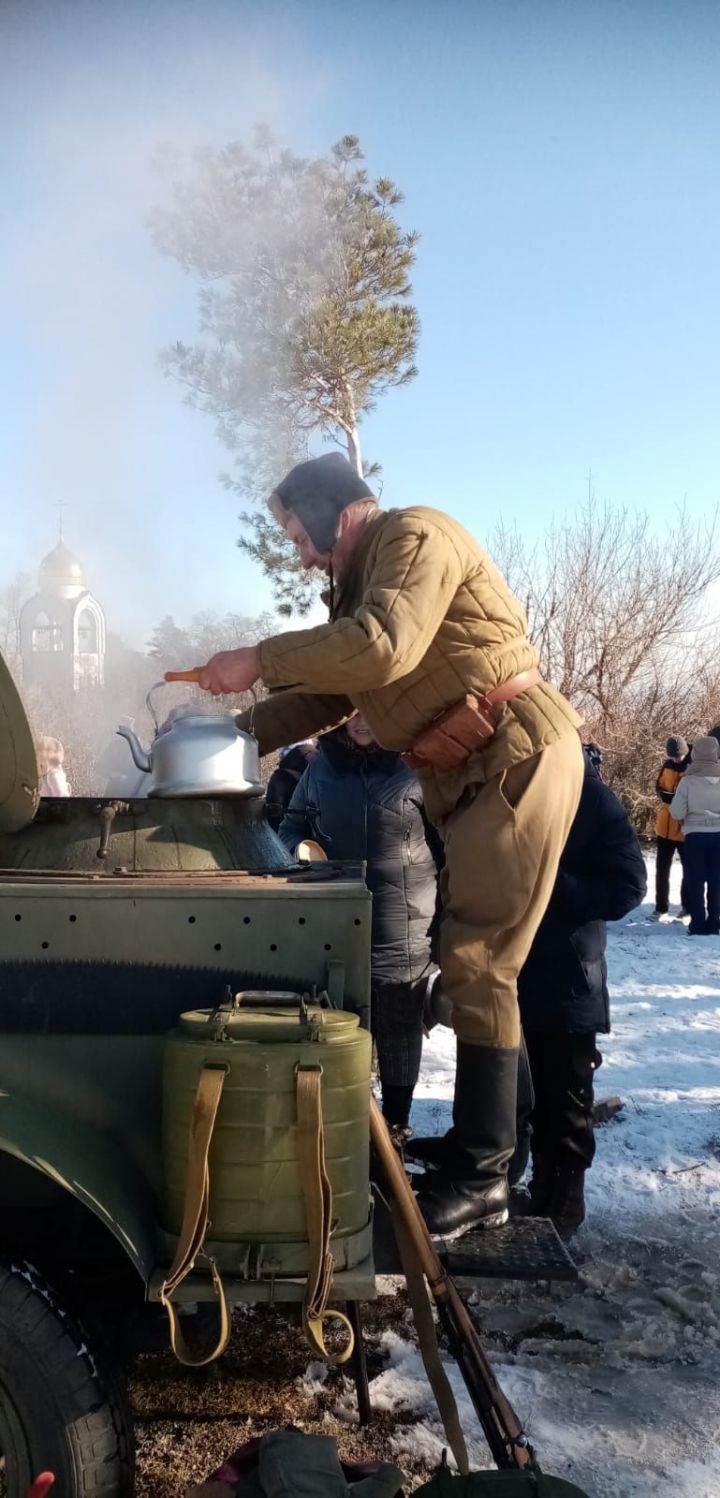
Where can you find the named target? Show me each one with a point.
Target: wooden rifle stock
(503, 1431)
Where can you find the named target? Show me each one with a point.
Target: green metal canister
(256, 1194)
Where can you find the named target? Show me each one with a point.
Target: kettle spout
(140, 755)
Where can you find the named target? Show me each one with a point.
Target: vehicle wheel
(62, 1407)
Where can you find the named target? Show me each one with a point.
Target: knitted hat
(676, 746)
(318, 491)
(705, 757)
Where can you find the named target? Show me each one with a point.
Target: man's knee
(486, 1024)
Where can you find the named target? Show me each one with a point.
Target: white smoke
(91, 91)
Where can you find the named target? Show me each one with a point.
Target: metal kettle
(196, 755)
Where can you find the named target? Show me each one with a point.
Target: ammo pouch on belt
(467, 726)
(264, 1113)
(454, 736)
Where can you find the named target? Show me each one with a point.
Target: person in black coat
(359, 801)
(563, 995)
(294, 761)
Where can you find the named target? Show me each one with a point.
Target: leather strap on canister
(195, 1218)
(317, 1194)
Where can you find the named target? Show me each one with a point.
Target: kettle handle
(192, 676)
(150, 705)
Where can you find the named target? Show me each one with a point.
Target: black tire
(62, 1406)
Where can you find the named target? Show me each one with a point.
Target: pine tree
(305, 312)
(170, 645)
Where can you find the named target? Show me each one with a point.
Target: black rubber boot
(542, 1183)
(567, 1202)
(396, 1105)
(523, 1117)
(470, 1189)
(434, 1151)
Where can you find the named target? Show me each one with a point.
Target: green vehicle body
(115, 918)
(83, 1026)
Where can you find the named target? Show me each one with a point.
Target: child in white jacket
(696, 804)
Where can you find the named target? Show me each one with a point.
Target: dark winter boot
(542, 1183)
(521, 1155)
(396, 1105)
(567, 1201)
(434, 1151)
(523, 1117)
(470, 1189)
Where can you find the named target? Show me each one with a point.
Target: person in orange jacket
(669, 838)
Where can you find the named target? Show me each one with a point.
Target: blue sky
(560, 161)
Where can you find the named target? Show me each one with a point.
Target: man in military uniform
(428, 643)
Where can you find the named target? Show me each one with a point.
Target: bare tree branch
(615, 613)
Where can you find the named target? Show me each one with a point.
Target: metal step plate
(527, 1248)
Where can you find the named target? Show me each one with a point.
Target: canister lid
(270, 1022)
(18, 761)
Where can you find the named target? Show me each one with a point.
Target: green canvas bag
(528, 1484)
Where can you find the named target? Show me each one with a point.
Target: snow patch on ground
(616, 1378)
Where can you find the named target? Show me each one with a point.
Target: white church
(62, 627)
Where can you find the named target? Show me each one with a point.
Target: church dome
(61, 569)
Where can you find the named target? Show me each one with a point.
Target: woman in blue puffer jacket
(359, 801)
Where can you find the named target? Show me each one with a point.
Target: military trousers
(502, 848)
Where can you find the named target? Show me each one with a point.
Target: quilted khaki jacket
(422, 617)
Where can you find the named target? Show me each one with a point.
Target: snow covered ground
(618, 1378)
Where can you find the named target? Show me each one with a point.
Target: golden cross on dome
(61, 505)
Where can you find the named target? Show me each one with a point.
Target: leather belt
(465, 728)
(514, 687)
